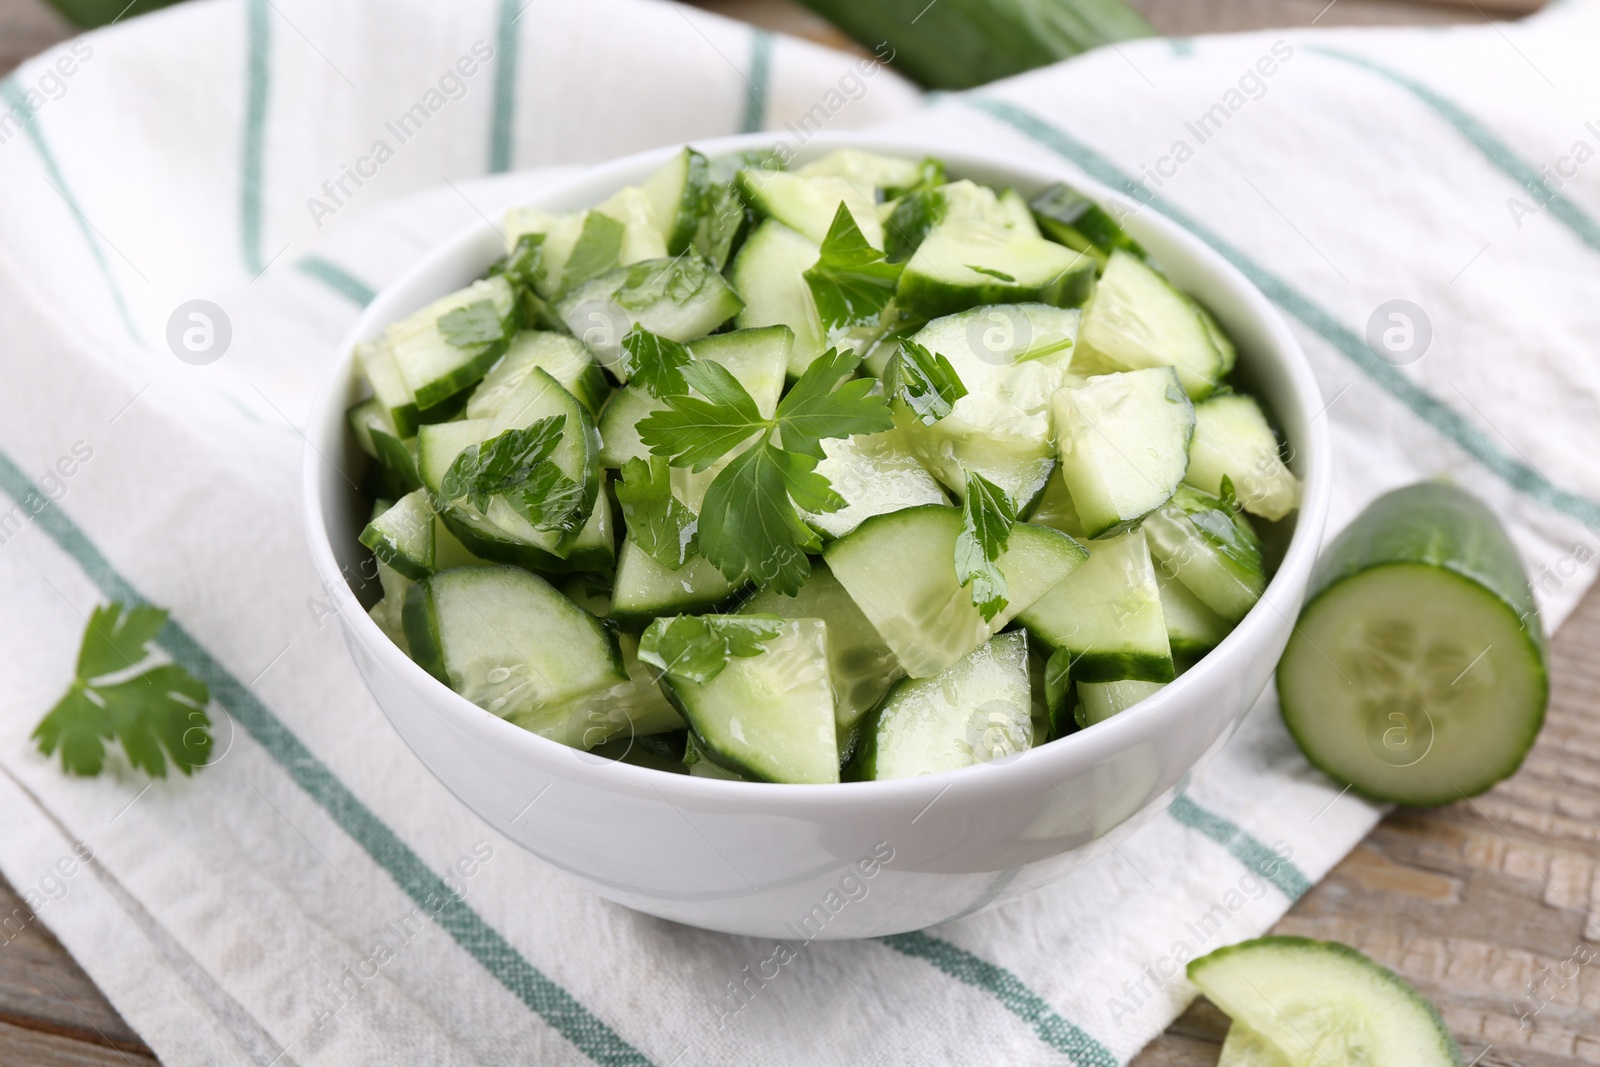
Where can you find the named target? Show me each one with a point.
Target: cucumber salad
(856, 470)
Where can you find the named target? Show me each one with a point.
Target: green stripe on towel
(1495, 150)
(1258, 858)
(502, 122)
(30, 122)
(338, 279)
(1424, 405)
(1007, 988)
(486, 945)
(758, 82)
(258, 88)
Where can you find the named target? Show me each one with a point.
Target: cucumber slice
(540, 396)
(1098, 701)
(965, 261)
(1211, 549)
(433, 368)
(807, 205)
(1137, 320)
(1017, 216)
(678, 298)
(676, 194)
(864, 170)
(1106, 615)
(1306, 1003)
(644, 589)
(388, 612)
(561, 233)
(1233, 440)
(1219, 336)
(1056, 510)
(1011, 358)
(389, 387)
(1124, 445)
(619, 426)
(1417, 672)
(900, 570)
(647, 708)
(769, 716)
(402, 537)
(562, 357)
(397, 457)
(979, 709)
(701, 765)
(876, 474)
(769, 274)
(366, 416)
(1192, 628)
(509, 642)
(1066, 215)
(641, 234)
(860, 663)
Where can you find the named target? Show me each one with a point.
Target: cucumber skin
(1402, 988)
(1440, 525)
(1430, 524)
(519, 554)
(421, 625)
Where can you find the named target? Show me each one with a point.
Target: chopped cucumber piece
(388, 611)
(1211, 550)
(433, 367)
(679, 298)
(389, 387)
(876, 474)
(509, 642)
(1219, 336)
(979, 709)
(1417, 671)
(645, 589)
(1192, 628)
(1137, 320)
(619, 426)
(1233, 440)
(966, 260)
(1057, 511)
(1011, 358)
(861, 665)
(1124, 445)
(1304, 1003)
(647, 708)
(1066, 215)
(702, 766)
(1098, 701)
(769, 716)
(769, 274)
(561, 233)
(402, 537)
(864, 170)
(366, 416)
(641, 235)
(676, 194)
(562, 357)
(808, 205)
(1106, 615)
(900, 570)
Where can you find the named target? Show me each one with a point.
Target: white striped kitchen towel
(285, 158)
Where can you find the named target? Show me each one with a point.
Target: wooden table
(1471, 903)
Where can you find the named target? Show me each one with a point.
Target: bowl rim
(1047, 763)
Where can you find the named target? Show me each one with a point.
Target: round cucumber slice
(1296, 1002)
(1417, 672)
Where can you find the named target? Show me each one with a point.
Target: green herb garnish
(655, 362)
(986, 520)
(697, 648)
(475, 325)
(748, 523)
(658, 522)
(516, 467)
(597, 250)
(117, 693)
(925, 381)
(851, 281)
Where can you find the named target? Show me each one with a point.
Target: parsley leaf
(851, 281)
(659, 523)
(748, 524)
(696, 431)
(597, 250)
(819, 406)
(516, 466)
(655, 362)
(925, 381)
(475, 325)
(986, 521)
(697, 648)
(158, 712)
(524, 264)
(918, 213)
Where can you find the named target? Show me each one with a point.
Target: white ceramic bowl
(856, 859)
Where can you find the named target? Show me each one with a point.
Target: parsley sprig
(658, 522)
(655, 363)
(851, 282)
(154, 710)
(925, 381)
(476, 325)
(748, 523)
(986, 520)
(517, 467)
